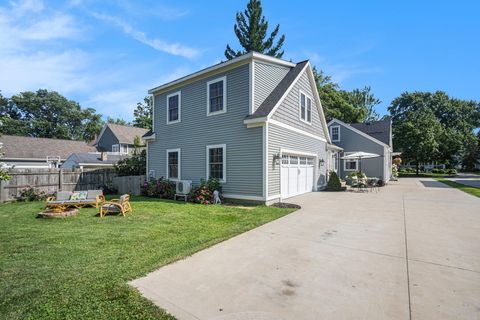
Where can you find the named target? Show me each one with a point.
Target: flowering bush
(204, 193)
(32, 194)
(159, 188)
(201, 195)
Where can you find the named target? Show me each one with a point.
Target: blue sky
(107, 54)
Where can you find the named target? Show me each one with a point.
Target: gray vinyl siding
(197, 130)
(281, 138)
(107, 140)
(351, 141)
(289, 110)
(267, 77)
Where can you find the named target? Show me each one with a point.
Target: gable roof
(124, 134)
(380, 130)
(221, 66)
(95, 158)
(276, 95)
(366, 135)
(18, 147)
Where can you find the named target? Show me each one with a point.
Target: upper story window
(115, 148)
(124, 148)
(335, 133)
(217, 96)
(174, 105)
(173, 164)
(216, 162)
(305, 108)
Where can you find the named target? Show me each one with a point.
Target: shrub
(439, 171)
(33, 194)
(451, 171)
(134, 165)
(334, 183)
(204, 193)
(201, 195)
(159, 188)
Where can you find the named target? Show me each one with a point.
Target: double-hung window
(174, 106)
(351, 164)
(115, 148)
(305, 108)
(217, 162)
(335, 133)
(173, 164)
(217, 96)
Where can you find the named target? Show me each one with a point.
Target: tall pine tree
(251, 30)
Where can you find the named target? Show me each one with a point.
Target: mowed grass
(468, 189)
(78, 267)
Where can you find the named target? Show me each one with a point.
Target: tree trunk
(417, 167)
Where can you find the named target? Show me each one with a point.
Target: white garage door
(297, 175)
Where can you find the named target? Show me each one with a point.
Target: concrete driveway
(411, 251)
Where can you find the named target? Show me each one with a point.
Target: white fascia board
(363, 134)
(318, 102)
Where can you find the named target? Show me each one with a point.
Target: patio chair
(121, 205)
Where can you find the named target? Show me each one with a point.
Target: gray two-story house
(254, 122)
(118, 139)
(373, 137)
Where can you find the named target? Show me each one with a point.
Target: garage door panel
(297, 175)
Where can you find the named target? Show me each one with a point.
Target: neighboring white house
(29, 153)
(254, 122)
(92, 160)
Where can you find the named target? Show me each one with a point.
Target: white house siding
(289, 111)
(282, 138)
(267, 77)
(197, 130)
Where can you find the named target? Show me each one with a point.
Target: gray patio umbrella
(359, 155)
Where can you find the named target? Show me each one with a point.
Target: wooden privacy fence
(129, 184)
(52, 180)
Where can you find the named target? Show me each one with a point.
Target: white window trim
(224, 79)
(213, 146)
(345, 163)
(179, 164)
(127, 148)
(331, 135)
(179, 94)
(306, 104)
(116, 146)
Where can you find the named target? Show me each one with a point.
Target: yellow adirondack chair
(121, 205)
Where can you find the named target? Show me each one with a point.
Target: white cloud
(60, 72)
(20, 7)
(158, 44)
(121, 102)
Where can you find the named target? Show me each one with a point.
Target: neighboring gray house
(92, 161)
(254, 122)
(29, 153)
(117, 138)
(374, 137)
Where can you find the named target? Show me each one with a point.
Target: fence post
(60, 179)
(1, 191)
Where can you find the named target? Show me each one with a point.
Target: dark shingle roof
(271, 101)
(379, 130)
(126, 134)
(40, 148)
(148, 134)
(94, 158)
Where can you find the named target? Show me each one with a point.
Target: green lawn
(423, 175)
(78, 267)
(468, 189)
